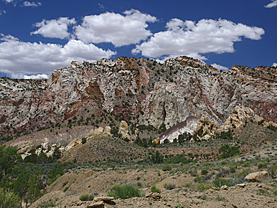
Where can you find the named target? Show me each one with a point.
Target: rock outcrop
(124, 130)
(127, 87)
(207, 129)
(173, 133)
(256, 176)
(25, 148)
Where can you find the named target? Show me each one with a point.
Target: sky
(37, 37)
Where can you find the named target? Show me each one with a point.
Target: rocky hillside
(139, 90)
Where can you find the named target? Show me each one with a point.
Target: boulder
(96, 132)
(38, 151)
(239, 116)
(123, 129)
(99, 131)
(103, 198)
(26, 154)
(73, 143)
(206, 128)
(107, 130)
(224, 187)
(25, 147)
(155, 196)
(256, 176)
(99, 204)
(45, 145)
(156, 141)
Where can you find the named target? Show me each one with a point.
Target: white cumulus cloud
(190, 38)
(118, 29)
(36, 76)
(219, 67)
(19, 58)
(57, 28)
(31, 4)
(272, 4)
(274, 64)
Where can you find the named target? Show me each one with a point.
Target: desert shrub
(273, 128)
(193, 172)
(222, 173)
(91, 197)
(220, 198)
(157, 157)
(169, 186)
(203, 186)
(187, 185)
(124, 191)
(227, 151)
(273, 171)
(166, 141)
(179, 159)
(56, 172)
(204, 172)
(84, 140)
(245, 172)
(226, 135)
(233, 169)
(221, 182)
(198, 179)
(8, 199)
(166, 168)
(139, 184)
(184, 137)
(154, 189)
(208, 177)
(262, 165)
(47, 204)
(84, 197)
(247, 164)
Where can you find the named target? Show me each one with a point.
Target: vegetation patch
(124, 191)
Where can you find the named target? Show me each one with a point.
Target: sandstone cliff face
(207, 129)
(157, 93)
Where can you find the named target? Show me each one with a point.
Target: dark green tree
(157, 157)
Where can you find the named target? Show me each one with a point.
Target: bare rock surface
(157, 93)
(256, 176)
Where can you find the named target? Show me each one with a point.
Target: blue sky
(37, 37)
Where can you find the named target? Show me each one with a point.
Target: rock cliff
(141, 89)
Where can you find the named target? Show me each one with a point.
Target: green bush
(154, 189)
(8, 199)
(245, 172)
(187, 185)
(198, 179)
(262, 165)
(86, 197)
(273, 171)
(166, 168)
(247, 164)
(91, 197)
(221, 182)
(47, 204)
(169, 186)
(204, 172)
(84, 140)
(227, 151)
(233, 169)
(157, 157)
(203, 186)
(124, 191)
(139, 184)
